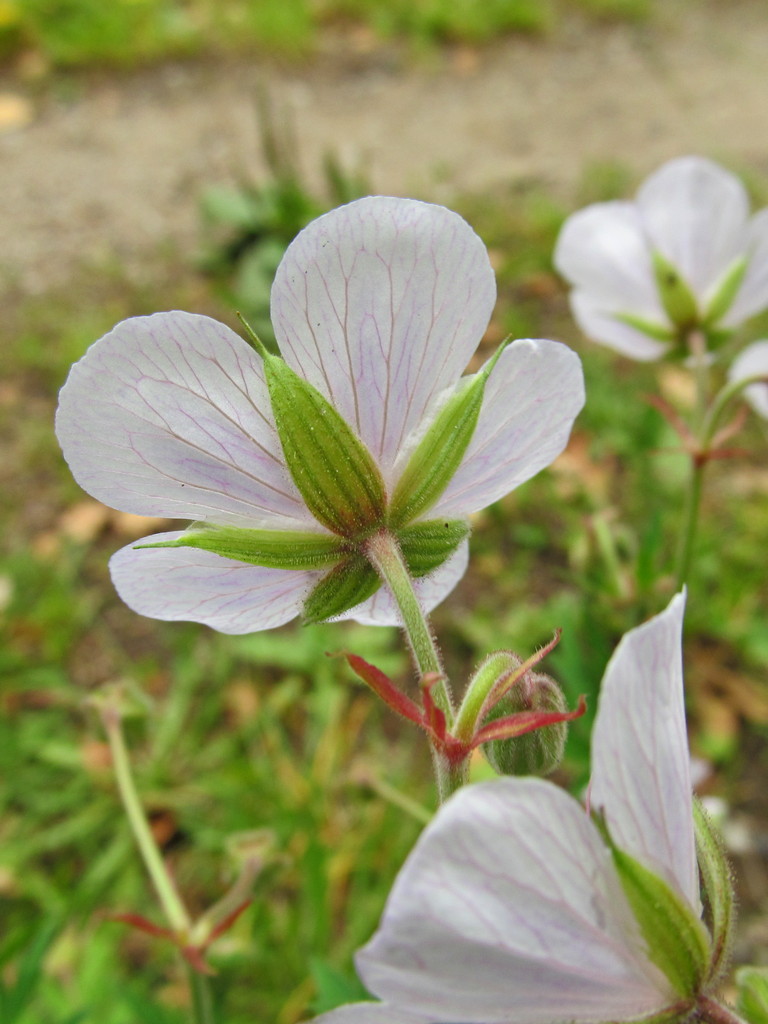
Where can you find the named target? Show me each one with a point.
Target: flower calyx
(475, 724)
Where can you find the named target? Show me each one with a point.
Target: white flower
(511, 908)
(684, 254)
(753, 362)
(379, 305)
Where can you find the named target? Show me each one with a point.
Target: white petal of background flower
(510, 911)
(381, 610)
(189, 585)
(753, 362)
(380, 304)
(640, 761)
(602, 326)
(695, 213)
(752, 296)
(169, 415)
(532, 397)
(604, 250)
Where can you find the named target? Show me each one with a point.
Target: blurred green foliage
(126, 33)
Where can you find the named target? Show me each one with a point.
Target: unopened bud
(537, 752)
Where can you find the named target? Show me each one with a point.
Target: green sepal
(752, 1000)
(676, 297)
(425, 546)
(727, 289)
(677, 941)
(333, 470)
(717, 888)
(345, 586)
(653, 330)
(272, 549)
(438, 454)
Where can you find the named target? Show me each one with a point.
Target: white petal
(641, 774)
(381, 610)
(753, 362)
(510, 910)
(695, 214)
(370, 1013)
(380, 304)
(603, 251)
(189, 585)
(752, 297)
(601, 324)
(531, 399)
(169, 415)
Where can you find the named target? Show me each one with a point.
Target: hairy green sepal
(273, 549)
(348, 584)
(677, 941)
(727, 289)
(676, 297)
(438, 454)
(333, 470)
(425, 546)
(717, 887)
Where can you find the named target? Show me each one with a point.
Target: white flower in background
(516, 908)
(753, 362)
(289, 465)
(685, 255)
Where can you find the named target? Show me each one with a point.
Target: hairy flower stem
(384, 554)
(173, 907)
(708, 1011)
(698, 348)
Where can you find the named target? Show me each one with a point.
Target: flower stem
(174, 909)
(202, 998)
(384, 555)
(711, 1012)
(690, 522)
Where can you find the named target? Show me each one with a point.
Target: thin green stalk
(690, 523)
(384, 554)
(174, 909)
(202, 997)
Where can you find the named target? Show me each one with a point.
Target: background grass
(265, 738)
(125, 33)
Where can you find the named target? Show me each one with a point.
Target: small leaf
(677, 940)
(676, 297)
(425, 546)
(348, 584)
(334, 471)
(717, 886)
(656, 331)
(440, 451)
(727, 288)
(273, 549)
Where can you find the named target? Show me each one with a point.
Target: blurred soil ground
(108, 169)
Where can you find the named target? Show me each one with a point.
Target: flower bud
(537, 752)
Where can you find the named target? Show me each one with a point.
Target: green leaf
(334, 471)
(425, 546)
(273, 549)
(438, 454)
(677, 941)
(752, 1001)
(717, 887)
(676, 297)
(334, 987)
(656, 331)
(345, 586)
